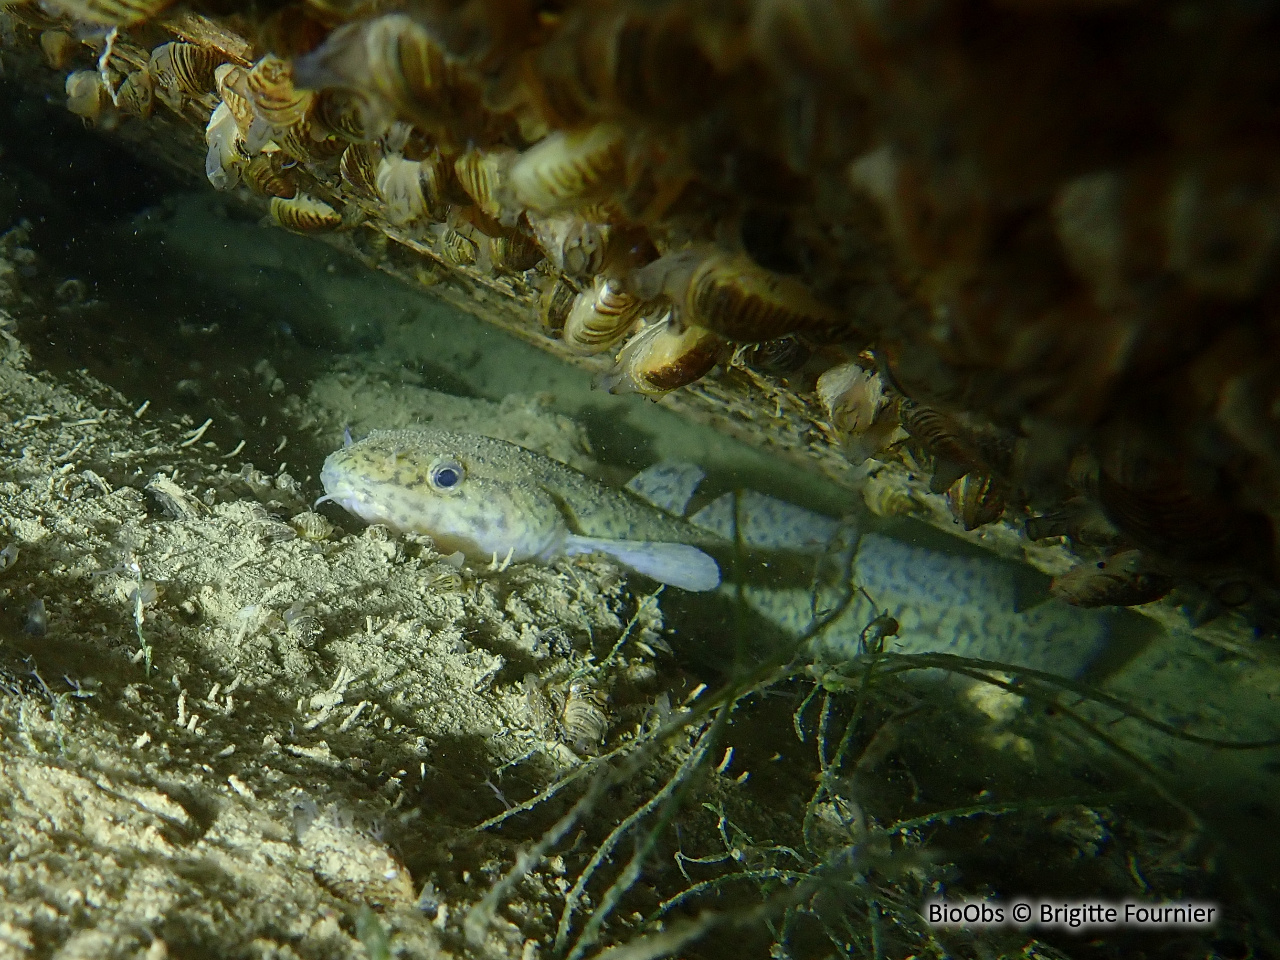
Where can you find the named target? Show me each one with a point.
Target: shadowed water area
(237, 725)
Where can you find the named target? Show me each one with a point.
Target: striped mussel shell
(554, 304)
(359, 169)
(482, 175)
(951, 446)
(404, 64)
(976, 499)
(304, 214)
(568, 170)
(345, 114)
(269, 87)
(1123, 580)
(29, 14)
(1160, 506)
(411, 190)
(600, 317)
(662, 357)
(513, 253)
(182, 71)
(730, 294)
(231, 81)
(574, 246)
(308, 142)
(1167, 518)
(266, 174)
(458, 249)
(108, 13)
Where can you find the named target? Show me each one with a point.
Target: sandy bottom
(233, 727)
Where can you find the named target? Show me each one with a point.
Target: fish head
(467, 493)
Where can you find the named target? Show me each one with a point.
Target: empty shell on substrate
(225, 159)
(311, 526)
(729, 294)
(304, 214)
(888, 494)
(85, 96)
(482, 175)
(859, 409)
(458, 249)
(513, 253)
(1122, 580)
(976, 500)
(600, 317)
(265, 175)
(585, 723)
(182, 71)
(269, 87)
(554, 304)
(108, 13)
(776, 358)
(134, 95)
(411, 189)
(663, 357)
(574, 246)
(853, 396)
(566, 171)
(59, 48)
(359, 169)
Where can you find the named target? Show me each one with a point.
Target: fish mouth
(355, 502)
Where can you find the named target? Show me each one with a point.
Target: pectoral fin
(676, 564)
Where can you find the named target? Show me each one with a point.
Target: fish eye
(447, 474)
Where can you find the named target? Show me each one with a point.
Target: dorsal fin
(668, 485)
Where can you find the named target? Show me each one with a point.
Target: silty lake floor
(327, 718)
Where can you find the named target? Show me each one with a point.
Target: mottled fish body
(493, 499)
(971, 606)
(489, 498)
